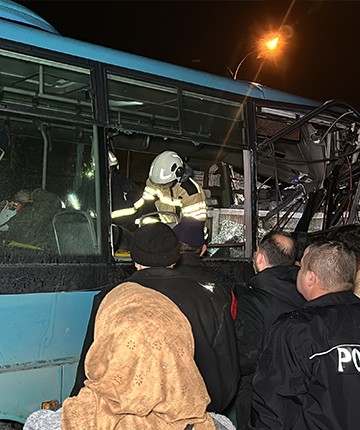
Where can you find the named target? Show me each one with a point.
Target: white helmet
(166, 167)
(113, 161)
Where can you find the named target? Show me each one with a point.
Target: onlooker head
(140, 368)
(349, 235)
(190, 233)
(275, 249)
(154, 245)
(326, 267)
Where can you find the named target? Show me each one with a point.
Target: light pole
(266, 47)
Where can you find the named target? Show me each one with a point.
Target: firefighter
(171, 189)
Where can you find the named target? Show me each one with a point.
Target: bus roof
(17, 13)
(57, 43)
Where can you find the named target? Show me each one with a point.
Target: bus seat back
(74, 233)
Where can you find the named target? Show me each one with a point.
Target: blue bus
(267, 159)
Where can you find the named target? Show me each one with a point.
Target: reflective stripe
(196, 185)
(195, 207)
(151, 193)
(200, 215)
(169, 201)
(128, 211)
(197, 210)
(139, 203)
(123, 212)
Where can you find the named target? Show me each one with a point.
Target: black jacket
(309, 373)
(193, 266)
(212, 326)
(268, 294)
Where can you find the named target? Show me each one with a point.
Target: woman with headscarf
(141, 374)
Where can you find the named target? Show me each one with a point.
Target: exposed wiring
(333, 123)
(321, 160)
(350, 190)
(278, 195)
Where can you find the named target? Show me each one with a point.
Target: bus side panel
(43, 334)
(23, 392)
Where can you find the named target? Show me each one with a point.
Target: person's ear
(260, 260)
(311, 278)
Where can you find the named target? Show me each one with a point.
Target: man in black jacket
(309, 373)
(191, 235)
(154, 250)
(271, 292)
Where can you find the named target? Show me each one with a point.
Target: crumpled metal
(230, 232)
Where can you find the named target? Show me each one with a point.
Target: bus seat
(74, 233)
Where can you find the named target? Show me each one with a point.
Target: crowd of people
(174, 347)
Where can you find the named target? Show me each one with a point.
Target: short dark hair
(334, 264)
(276, 252)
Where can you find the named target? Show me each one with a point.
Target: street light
(266, 46)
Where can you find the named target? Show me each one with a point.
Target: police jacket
(212, 326)
(309, 373)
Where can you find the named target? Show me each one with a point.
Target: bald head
(278, 249)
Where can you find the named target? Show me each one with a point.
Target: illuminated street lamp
(266, 46)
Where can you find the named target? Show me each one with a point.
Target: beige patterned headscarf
(140, 370)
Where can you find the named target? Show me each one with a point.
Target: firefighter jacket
(212, 326)
(181, 198)
(309, 373)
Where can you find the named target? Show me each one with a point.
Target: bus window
(48, 194)
(212, 119)
(33, 82)
(134, 103)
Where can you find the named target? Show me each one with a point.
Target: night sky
(320, 59)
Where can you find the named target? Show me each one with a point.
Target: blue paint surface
(41, 337)
(18, 13)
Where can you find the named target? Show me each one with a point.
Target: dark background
(320, 59)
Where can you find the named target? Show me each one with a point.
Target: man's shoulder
(171, 278)
(279, 283)
(296, 322)
(284, 273)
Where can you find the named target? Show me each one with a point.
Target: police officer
(308, 376)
